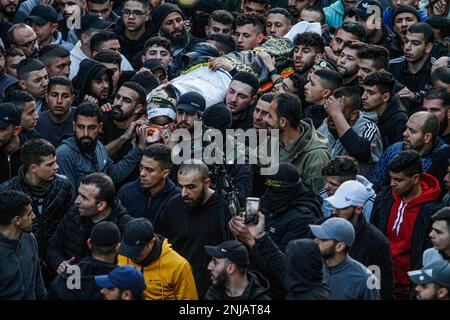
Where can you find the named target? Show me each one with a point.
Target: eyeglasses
(29, 44)
(136, 13)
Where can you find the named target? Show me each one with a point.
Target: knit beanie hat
(217, 116)
(162, 11)
(247, 78)
(403, 9)
(286, 176)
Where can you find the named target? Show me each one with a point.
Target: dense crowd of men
(99, 100)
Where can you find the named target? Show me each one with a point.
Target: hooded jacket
(20, 272)
(10, 163)
(82, 81)
(55, 204)
(418, 240)
(255, 290)
(75, 165)
(190, 231)
(309, 154)
(89, 268)
(5, 81)
(299, 269)
(334, 14)
(169, 277)
(73, 231)
(141, 203)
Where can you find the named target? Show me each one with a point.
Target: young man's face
(402, 22)
(103, 10)
(124, 104)
(238, 97)
(59, 100)
(347, 64)
(6, 135)
(217, 268)
(332, 183)
(372, 98)
(193, 189)
(100, 87)
(436, 106)
(415, 47)
(327, 247)
(44, 32)
(11, 64)
(86, 131)
(59, 67)
(260, 112)
(427, 291)
(134, 15)
(111, 293)
(173, 24)
(36, 83)
(402, 184)
(159, 53)
(46, 171)
(285, 86)
(218, 28)
(297, 6)
(277, 24)
(304, 58)
(186, 120)
(115, 69)
(254, 7)
(413, 137)
(339, 39)
(150, 173)
(271, 120)
(71, 7)
(440, 236)
(365, 67)
(26, 220)
(29, 116)
(9, 7)
(314, 89)
(86, 201)
(247, 37)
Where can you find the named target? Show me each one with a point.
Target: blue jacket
(140, 203)
(379, 175)
(75, 165)
(388, 12)
(334, 14)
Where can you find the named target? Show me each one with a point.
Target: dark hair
(442, 215)
(159, 42)
(146, 79)
(253, 19)
(378, 54)
(408, 162)
(20, 98)
(439, 94)
(98, 1)
(109, 56)
(198, 166)
(146, 3)
(223, 42)
(441, 74)
(267, 97)
(310, 39)
(353, 96)
(298, 82)
(88, 109)
(267, 2)
(104, 184)
(101, 37)
(440, 23)
(283, 12)
(25, 67)
(383, 80)
(318, 9)
(289, 106)
(52, 51)
(430, 125)
(97, 231)
(34, 150)
(355, 45)
(249, 79)
(160, 153)
(60, 81)
(355, 28)
(344, 167)
(170, 90)
(136, 87)
(12, 204)
(425, 29)
(221, 16)
(330, 79)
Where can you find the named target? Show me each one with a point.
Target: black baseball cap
(92, 21)
(105, 234)
(9, 114)
(233, 250)
(138, 232)
(154, 64)
(362, 9)
(42, 14)
(191, 102)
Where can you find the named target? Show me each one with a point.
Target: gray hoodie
(75, 165)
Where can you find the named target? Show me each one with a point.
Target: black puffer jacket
(73, 231)
(256, 289)
(56, 203)
(89, 268)
(392, 122)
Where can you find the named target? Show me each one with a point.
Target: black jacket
(372, 248)
(299, 269)
(256, 289)
(54, 206)
(9, 163)
(420, 237)
(439, 167)
(73, 231)
(392, 122)
(245, 119)
(316, 113)
(140, 203)
(190, 231)
(89, 268)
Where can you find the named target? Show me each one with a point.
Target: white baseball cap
(350, 193)
(157, 112)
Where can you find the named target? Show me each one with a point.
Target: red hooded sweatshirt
(401, 225)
